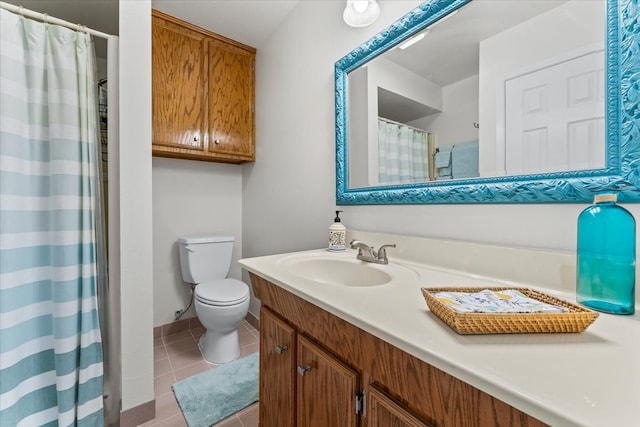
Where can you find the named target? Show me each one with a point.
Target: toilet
(221, 303)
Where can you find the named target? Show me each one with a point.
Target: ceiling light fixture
(413, 40)
(360, 13)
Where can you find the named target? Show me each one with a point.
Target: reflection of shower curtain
(402, 154)
(50, 345)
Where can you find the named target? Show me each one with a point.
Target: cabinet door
(384, 412)
(277, 367)
(178, 84)
(231, 100)
(326, 388)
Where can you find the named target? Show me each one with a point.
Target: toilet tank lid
(206, 239)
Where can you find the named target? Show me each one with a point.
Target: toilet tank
(204, 258)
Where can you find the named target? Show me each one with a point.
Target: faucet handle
(382, 253)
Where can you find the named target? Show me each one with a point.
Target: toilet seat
(222, 293)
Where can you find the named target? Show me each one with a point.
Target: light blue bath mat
(212, 396)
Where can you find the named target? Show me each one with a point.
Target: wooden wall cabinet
(315, 367)
(203, 93)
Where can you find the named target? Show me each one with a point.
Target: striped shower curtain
(402, 154)
(50, 346)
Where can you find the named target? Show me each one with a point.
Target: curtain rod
(50, 19)
(393, 122)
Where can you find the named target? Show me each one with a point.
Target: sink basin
(338, 269)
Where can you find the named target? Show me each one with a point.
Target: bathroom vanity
(334, 354)
(319, 370)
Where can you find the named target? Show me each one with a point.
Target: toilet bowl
(221, 303)
(221, 314)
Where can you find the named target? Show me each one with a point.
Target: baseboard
(192, 323)
(138, 414)
(253, 321)
(176, 327)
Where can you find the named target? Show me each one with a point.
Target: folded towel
(487, 301)
(443, 158)
(464, 160)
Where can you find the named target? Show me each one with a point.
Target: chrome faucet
(382, 253)
(366, 253)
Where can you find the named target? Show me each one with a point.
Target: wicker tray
(576, 320)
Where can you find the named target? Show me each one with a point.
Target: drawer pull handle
(303, 369)
(281, 348)
(196, 138)
(217, 141)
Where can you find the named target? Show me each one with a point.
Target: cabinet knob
(217, 141)
(196, 138)
(281, 348)
(304, 369)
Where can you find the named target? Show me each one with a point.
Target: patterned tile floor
(177, 357)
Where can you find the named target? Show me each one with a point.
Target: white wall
(136, 249)
(388, 75)
(190, 198)
(289, 193)
(459, 112)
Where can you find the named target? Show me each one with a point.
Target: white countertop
(586, 379)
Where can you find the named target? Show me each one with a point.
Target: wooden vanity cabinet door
(231, 100)
(326, 388)
(277, 370)
(178, 83)
(382, 411)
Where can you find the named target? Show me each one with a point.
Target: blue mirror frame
(622, 171)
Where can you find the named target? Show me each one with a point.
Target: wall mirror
(492, 101)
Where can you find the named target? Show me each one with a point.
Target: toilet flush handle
(188, 248)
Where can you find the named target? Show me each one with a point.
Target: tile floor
(177, 357)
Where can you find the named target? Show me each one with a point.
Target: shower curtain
(402, 154)
(50, 345)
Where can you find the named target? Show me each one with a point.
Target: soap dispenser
(337, 235)
(606, 257)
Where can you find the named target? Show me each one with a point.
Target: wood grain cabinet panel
(231, 100)
(302, 384)
(277, 367)
(178, 69)
(326, 389)
(203, 93)
(382, 411)
(400, 389)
